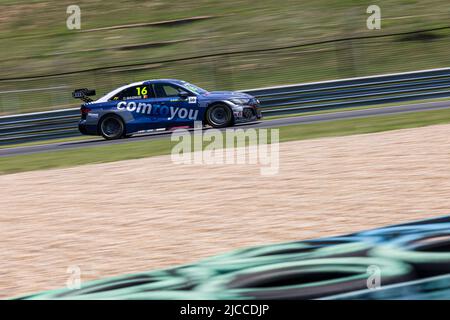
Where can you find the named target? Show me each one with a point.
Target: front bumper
(247, 114)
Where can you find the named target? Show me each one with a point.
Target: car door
(175, 105)
(135, 104)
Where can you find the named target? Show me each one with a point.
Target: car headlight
(240, 101)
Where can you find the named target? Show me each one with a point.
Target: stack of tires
(411, 260)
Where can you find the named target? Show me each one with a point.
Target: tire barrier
(402, 261)
(429, 253)
(308, 279)
(424, 289)
(119, 287)
(260, 256)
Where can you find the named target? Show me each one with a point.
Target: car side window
(135, 92)
(165, 90)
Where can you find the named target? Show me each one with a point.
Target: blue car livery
(163, 103)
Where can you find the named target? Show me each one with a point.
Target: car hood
(226, 94)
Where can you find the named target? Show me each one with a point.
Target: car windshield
(194, 88)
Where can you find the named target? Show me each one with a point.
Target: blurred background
(155, 214)
(226, 45)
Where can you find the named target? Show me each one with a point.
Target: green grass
(38, 43)
(35, 31)
(74, 157)
(110, 153)
(364, 125)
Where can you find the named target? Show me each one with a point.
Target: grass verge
(125, 151)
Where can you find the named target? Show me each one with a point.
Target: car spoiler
(83, 94)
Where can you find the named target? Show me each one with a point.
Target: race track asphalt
(342, 115)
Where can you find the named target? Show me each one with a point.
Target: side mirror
(183, 95)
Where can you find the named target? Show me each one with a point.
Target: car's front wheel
(219, 116)
(112, 127)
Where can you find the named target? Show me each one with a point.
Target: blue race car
(163, 103)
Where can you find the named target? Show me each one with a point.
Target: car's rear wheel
(219, 116)
(112, 127)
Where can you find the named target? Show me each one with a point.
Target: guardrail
(39, 126)
(279, 100)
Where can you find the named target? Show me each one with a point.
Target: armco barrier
(39, 126)
(279, 100)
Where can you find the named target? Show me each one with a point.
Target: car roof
(176, 81)
(110, 94)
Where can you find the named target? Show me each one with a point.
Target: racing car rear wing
(84, 94)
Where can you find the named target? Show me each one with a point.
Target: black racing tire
(305, 279)
(112, 127)
(219, 116)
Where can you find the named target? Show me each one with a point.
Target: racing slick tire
(112, 127)
(219, 116)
